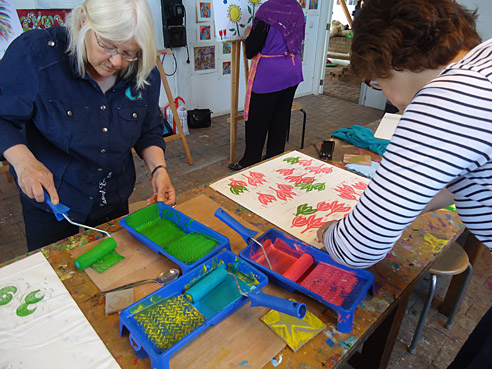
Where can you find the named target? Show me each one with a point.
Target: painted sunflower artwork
(233, 17)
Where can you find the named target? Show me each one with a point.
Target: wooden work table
(377, 319)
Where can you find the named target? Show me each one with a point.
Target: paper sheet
(387, 126)
(233, 18)
(295, 192)
(41, 325)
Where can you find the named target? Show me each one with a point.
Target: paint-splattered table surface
(376, 321)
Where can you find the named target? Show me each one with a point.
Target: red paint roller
(297, 269)
(215, 277)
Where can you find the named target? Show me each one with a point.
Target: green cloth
(362, 137)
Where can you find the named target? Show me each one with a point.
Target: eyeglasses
(114, 51)
(373, 84)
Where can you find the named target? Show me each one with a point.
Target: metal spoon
(163, 278)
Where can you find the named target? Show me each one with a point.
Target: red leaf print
(300, 179)
(255, 179)
(316, 170)
(347, 192)
(305, 163)
(326, 170)
(311, 222)
(285, 172)
(284, 194)
(237, 183)
(360, 186)
(299, 221)
(265, 198)
(324, 206)
(285, 187)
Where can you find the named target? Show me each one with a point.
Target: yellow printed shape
(432, 243)
(294, 331)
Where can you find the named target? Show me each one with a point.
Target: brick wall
(340, 44)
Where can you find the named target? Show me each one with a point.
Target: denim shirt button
(99, 169)
(135, 115)
(51, 43)
(105, 130)
(103, 151)
(69, 113)
(102, 107)
(91, 198)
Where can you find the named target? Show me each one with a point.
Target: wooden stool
(454, 261)
(298, 107)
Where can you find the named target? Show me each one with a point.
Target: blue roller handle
(244, 232)
(292, 308)
(58, 210)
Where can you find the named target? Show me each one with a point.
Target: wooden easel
(235, 69)
(170, 99)
(346, 11)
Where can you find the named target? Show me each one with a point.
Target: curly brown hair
(412, 35)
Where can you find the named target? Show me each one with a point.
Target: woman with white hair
(74, 102)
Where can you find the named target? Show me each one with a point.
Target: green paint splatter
(30, 299)
(107, 261)
(6, 294)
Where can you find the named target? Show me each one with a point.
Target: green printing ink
(191, 247)
(186, 247)
(168, 321)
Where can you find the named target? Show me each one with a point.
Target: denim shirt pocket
(131, 123)
(67, 122)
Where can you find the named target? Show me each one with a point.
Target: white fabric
(56, 335)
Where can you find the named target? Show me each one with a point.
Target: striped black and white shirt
(443, 139)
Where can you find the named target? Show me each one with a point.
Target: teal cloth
(362, 137)
(365, 170)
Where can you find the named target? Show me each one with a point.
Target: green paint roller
(215, 277)
(96, 253)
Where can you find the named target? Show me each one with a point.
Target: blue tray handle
(244, 232)
(58, 209)
(292, 308)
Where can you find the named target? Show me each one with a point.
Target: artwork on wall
(41, 323)
(204, 58)
(233, 17)
(42, 18)
(295, 192)
(10, 26)
(225, 48)
(226, 68)
(205, 32)
(204, 12)
(313, 4)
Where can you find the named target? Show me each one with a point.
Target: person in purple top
(274, 45)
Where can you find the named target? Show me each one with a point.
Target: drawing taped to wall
(226, 48)
(204, 12)
(226, 68)
(205, 32)
(233, 17)
(204, 58)
(295, 192)
(41, 323)
(10, 26)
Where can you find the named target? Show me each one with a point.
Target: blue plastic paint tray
(166, 320)
(179, 233)
(334, 285)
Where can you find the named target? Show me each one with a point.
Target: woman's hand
(163, 188)
(320, 233)
(32, 175)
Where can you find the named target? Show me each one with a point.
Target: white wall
(484, 22)
(211, 90)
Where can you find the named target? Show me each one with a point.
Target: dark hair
(412, 35)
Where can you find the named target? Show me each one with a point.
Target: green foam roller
(206, 284)
(96, 253)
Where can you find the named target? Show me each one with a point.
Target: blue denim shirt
(82, 135)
